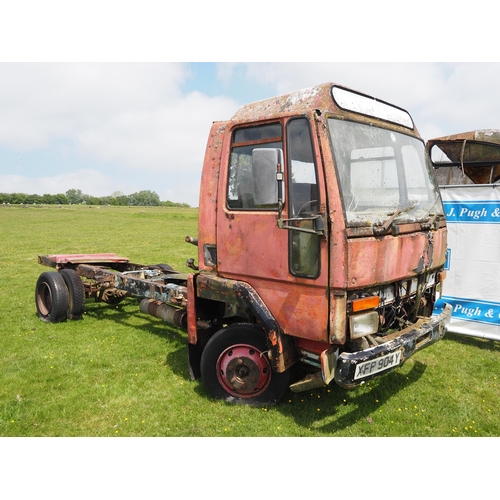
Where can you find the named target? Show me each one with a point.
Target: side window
(303, 199)
(303, 184)
(248, 188)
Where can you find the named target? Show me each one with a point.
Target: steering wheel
(310, 202)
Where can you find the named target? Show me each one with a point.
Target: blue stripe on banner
(477, 212)
(480, 311)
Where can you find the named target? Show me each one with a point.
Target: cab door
(287, 266)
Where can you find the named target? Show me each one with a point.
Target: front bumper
(408, 341)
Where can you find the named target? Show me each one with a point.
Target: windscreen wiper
(384, 228)
(430, 223)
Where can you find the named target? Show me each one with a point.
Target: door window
(303, 196)
(249, 188)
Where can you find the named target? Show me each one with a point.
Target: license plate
(377, 365)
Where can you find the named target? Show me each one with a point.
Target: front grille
(401, 302)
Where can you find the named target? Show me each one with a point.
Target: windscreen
(382, 172)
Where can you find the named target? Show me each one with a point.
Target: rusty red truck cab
(321, 243)
(322, 206)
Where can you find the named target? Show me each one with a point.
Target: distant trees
(33, 199)
(76, 197)
(145, 198)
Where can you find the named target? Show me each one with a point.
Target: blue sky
(106, 127)
(214, 81)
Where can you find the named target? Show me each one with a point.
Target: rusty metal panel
(301, 309)
(378, 260)
(296, 103)
(251, 244)
(338, 318)
(476, 153)
(282, 351)
(207, 212)
(337, 242)
(102, 258)
(253, 249)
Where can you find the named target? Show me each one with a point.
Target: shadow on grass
(122, 313)
(332, 412)
(328, 410)
(480, 343)
(176, 352)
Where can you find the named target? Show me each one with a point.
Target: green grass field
(118, 372)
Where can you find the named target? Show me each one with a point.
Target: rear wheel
(235, 367)
(76, 305)
(51, 297)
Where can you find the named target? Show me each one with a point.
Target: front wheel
(235, 367)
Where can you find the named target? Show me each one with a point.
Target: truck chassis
(229, 353)
(240, 356)
(108, 278)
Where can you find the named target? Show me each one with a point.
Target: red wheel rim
(243, 371)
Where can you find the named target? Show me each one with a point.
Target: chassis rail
(110, 272)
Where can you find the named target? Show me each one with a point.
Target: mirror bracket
(318, 222)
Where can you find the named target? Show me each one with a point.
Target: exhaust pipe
(166, 312)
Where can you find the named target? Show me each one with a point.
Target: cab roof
(326, 97)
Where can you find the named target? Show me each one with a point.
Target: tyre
(76, 302)
(51, 298)
(235, 367)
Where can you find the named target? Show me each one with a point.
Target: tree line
(76, 197)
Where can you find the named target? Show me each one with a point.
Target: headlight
(363, 324)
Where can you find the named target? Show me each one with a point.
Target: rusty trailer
(109, 278)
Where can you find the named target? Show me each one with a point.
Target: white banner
(473, 265)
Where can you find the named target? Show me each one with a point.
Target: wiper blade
(430, 223)
(384, 228)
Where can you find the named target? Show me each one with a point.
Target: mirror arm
(318, 222)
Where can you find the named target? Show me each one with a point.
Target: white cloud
(133, 114)
(394, 82)
(171, 136)
(468, 99)
(41, 102)
(107, 115)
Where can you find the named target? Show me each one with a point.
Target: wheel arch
(282, 348)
